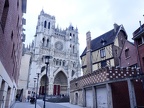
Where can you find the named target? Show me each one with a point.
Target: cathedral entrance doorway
(56, 90)
(42, 85)
(60, 84)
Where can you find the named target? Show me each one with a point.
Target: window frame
(127, 53)
(102, 53)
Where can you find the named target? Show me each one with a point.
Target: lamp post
(34, 83)
(37, 88)
(47, 63)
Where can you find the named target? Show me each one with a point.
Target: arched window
(74, 64)
(45, 24)
(73, 48)
(57, 62)
(54, 61)
(60, 62)
(49, 25)
(47, 42)
(64, 63)
(72, 74)
(43, 41)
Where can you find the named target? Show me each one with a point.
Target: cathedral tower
(63, 46)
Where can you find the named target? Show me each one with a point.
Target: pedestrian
(28, 98)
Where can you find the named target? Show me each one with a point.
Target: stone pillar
(3, 94)
(109, 96)
(131, 93)
(13, 95)
(50, 89)
(94, 96)
(8, 98)
(84, 97)
(68, 85)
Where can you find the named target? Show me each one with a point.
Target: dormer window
(103, 41)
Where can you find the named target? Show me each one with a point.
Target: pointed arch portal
(42, 85)
(60, 84)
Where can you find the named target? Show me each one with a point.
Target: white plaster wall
(9, 83)
(24, 72)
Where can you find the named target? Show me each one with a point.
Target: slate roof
(138, 31)
(107, 37)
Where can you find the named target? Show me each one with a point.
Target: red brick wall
(9, 56)
(141, 55)
(132, 59)
(139, 93)
(120, 95)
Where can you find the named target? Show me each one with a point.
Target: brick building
(128, 56)
(106, 85)
(138, 37)
(11, 37)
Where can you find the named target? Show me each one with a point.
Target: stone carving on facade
(55, 42)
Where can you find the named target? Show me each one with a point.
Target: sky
(96, 16)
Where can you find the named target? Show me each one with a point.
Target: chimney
(140, 25)
(88, 52)
(115, 27)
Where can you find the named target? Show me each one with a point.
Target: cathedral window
(70, 34)
(57, 62)
(73, 48)
(74, 37)
(47, 42)
(60, 62)
(43, 41)
(54, 61)
(45, 24)
(42, 59)
(64, 63)
(49, 25)
(72, 73)
(73, 64)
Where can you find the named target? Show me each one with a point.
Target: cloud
(97, 16)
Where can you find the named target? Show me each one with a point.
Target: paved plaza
(40, 105)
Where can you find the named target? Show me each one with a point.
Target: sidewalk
(67, 104)
(24, 105)
(29, 105)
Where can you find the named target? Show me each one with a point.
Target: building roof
(138, 31)
(103, 40)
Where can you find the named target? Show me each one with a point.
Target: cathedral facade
(64, 65)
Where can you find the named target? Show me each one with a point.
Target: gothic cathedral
(64, 65)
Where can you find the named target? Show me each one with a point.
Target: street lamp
(47, 58)
(34, 83)
(37, 88)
